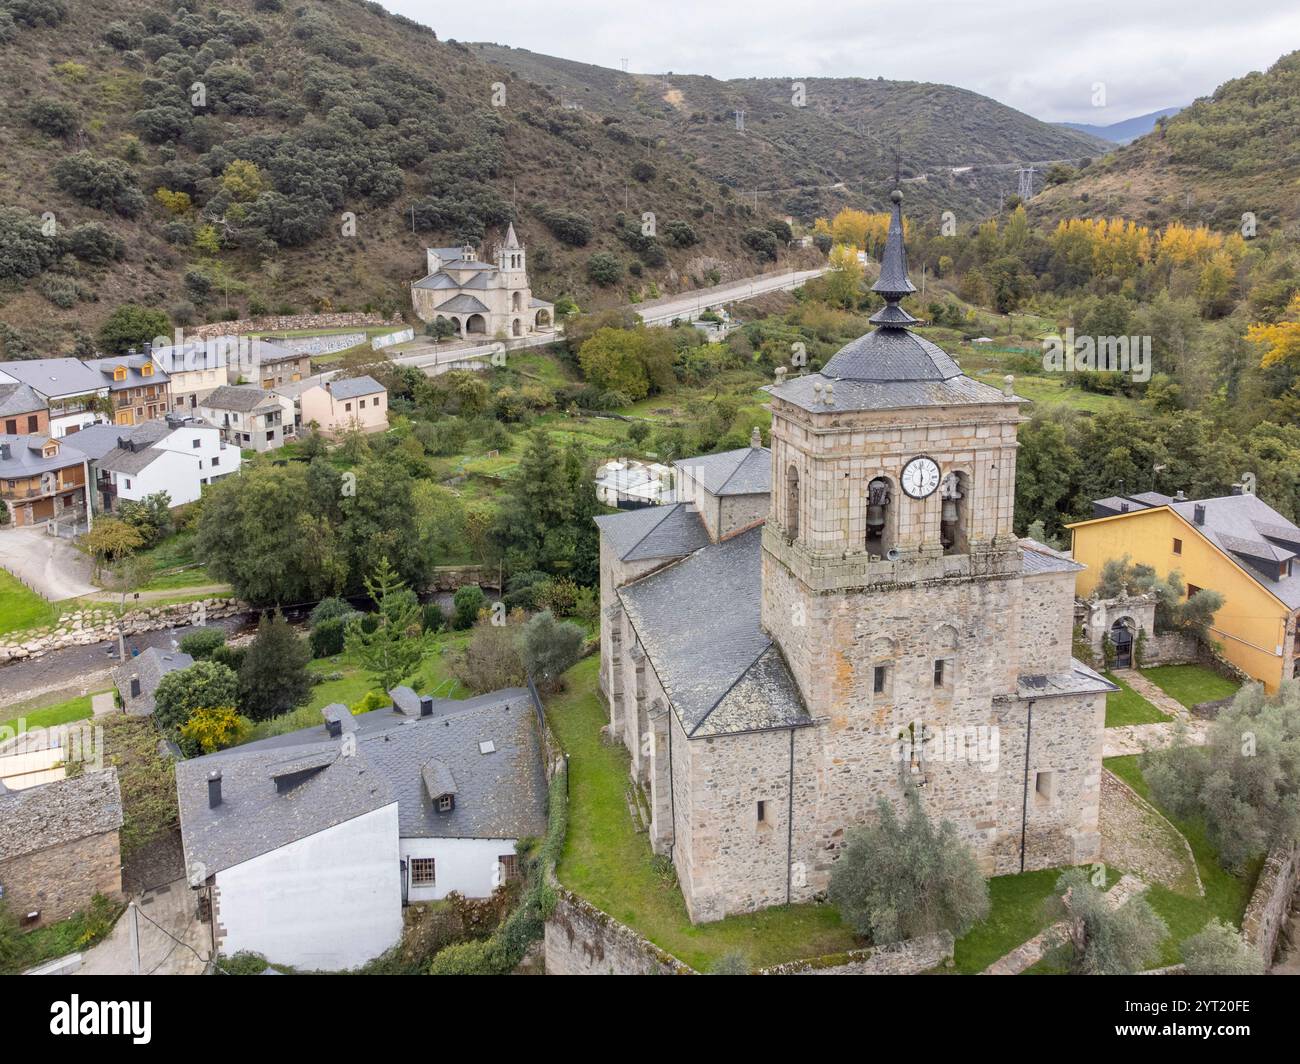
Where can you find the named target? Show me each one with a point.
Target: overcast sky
(1040, 56)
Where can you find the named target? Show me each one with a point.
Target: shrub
(644, 171)
(1219, 949)
(568, 227)
(491, 658)
(549, 647)
(679, 234)
(1099, 940)
(369, 702)
(204, 685)
(327, 638)
(131, 326)
(121, 36)
(900, 879)
(25, 251)
(201, 643)
(604, 268)
(108, 184)
(762, 242)
(211, 729)
(466, 603)
(94, 243)
(61, 291)
(53, 117)
(329, 608)
(37, 12)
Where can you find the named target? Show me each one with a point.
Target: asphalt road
(50, 564)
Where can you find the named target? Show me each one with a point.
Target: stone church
(491, 299)
(844, 617)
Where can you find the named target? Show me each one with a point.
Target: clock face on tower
(920, 477)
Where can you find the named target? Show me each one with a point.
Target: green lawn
(1128, 707)
(1226, 895)
(48, 716)
(1190, 684)
(612, 866)
(1016, 914)
(21, 607)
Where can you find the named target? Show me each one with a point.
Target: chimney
(1198, 514)
(756, 438)
(1236, 489)
(426, 701)
(333, 728)
(1180, 497)
(214, 788)
(148, 348)
(4, 452)
(1123, 507)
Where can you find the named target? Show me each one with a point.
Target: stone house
(44, 479)
(878, 628)
(59, 845)
(138, 389)
(482, 298)
(73, 392)
(137, 678)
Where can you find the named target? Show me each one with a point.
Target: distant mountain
(1128, 130)
(830, 146)
(1234, 152)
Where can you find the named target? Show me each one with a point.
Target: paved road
(50, 564)
(172, 940)
(688, 305)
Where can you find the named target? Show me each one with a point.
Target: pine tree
(273, 678)
(396, 645)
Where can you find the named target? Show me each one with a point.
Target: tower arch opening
(954, 516)
(880, 517)
(792, 502)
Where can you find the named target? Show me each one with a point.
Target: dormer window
(446, 803)
(119, 373)
(146, 370)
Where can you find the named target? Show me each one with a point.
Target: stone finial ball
(896, 195)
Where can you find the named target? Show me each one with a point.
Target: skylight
(487, 746)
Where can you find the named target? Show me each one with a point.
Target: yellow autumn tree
(844, 279)
(243, 180)
(1281, 339)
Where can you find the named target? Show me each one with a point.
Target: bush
(94, 243)
(53, 117)
(568, 227)
(329, 608)
(108, 184)
(204, 685)
(327, 638)
(899, 879)
(1099, 940)
(200, 644)
(549, 647)
(466, 603)
(37, 12)
(121, 36)
(25, 251)
(208, 730)
(762, 242)
(1219, 949)
(130, 326)
(604, 268)
(231, 657)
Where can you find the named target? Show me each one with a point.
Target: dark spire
(893, 282)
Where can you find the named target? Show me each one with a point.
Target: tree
(844, 281)
(900, 879)
(1097, 939)
(610, 360)
(131, 326)
(273, 678)
(762, 242)
(394, 647)
(204, 685)
(110, 540)
(151, 517)
(211, 729)
(105, 183)
(490, 660)
(467, 602)
(550, 647)
(1219, 949)
(1245, 782)
(605, 268)
(202, 642)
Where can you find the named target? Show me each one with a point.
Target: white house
(306, 846)
(76, 393)
(175, 454)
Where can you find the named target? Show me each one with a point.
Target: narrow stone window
(1045, 787)
(878, 677)
(792, 502)
(762, 812)
(939, 672)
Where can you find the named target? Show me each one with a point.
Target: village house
(137, 678)
(59, 845)
(22, 411)
(337, 406)
(195, 370)
(175, 454)
(876, 628)
(306, 846)
(273, 366)
(138, 390)
(44, 479)
(482, 298)
(1236, 545)
(248, 416)
(74, 393)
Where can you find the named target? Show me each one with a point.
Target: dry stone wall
(1271, 902)
(288, 321)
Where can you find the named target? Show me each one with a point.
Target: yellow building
(1236, 545)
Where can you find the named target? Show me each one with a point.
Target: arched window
(792, 502)
(880, 529)
(954, 533)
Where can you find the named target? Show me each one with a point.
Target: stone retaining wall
(273, 322)
(99, 625)
(584, 940)
(1271, 901)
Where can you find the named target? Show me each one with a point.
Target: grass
(1128, 707)
(78, 932)
(50, 716)
(1016, 914)
(174, 565)
(1226, 895)
(21, 607)
(612, 866)
(1190, 684)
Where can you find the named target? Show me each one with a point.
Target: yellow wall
(1252, 623)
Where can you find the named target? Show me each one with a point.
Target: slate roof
(462, 303)
(1118, 504)
(891, 354)
(242, 397)
(19, 399)
(500, 795)
(1079, 679)
(540, 303)
(888, 395)
(721, 673)
(352, 387)
(135, 377)
(26, 457)
(744, 471)
(435, 281)
(55, 376)
(62, 811)
(150, 666)
(1039, 558)
(654, 532)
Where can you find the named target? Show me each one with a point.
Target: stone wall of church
(1046, 623)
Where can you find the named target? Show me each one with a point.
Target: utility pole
(135, 938)
(1026, 176)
